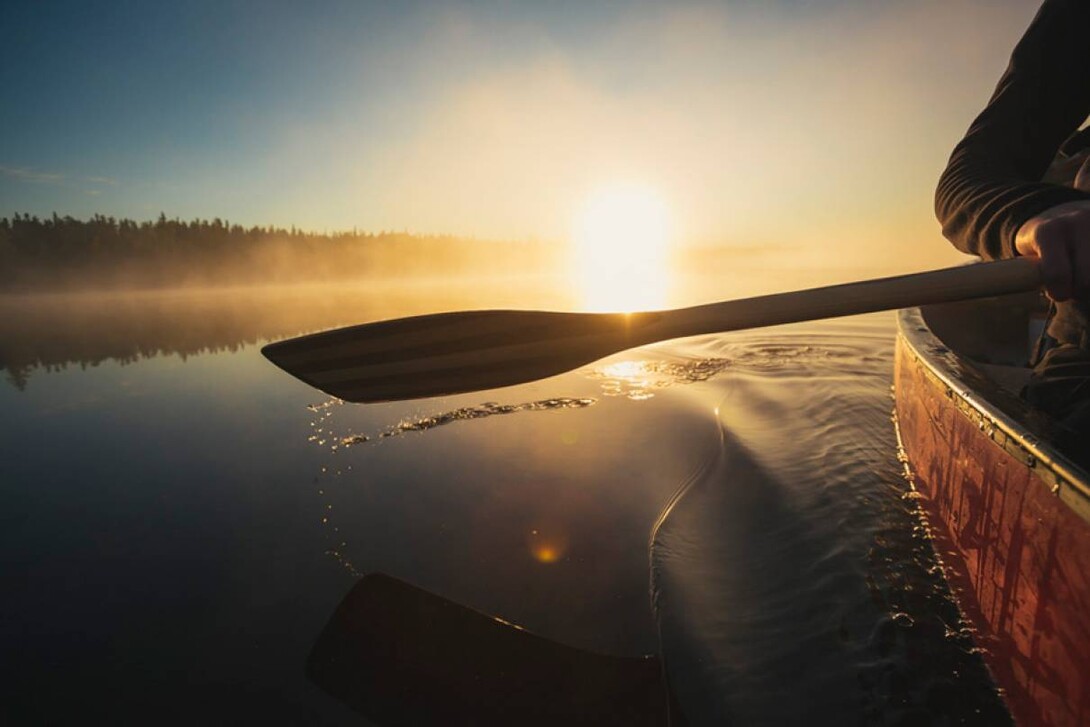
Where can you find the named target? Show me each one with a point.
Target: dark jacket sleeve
(992, 182)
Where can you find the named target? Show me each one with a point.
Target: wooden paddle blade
(450, 353)
(399, 655)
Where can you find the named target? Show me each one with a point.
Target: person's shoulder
(1062, 9)
(1058, 35)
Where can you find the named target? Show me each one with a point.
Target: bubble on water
(903, 620)
(480, 411)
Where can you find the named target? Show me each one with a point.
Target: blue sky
(795, 121)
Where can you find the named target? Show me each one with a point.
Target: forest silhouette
(63, 253)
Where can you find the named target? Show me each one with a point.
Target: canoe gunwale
(951, 372)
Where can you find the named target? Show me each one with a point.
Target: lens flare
(547, 546)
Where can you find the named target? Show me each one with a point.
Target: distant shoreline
(107, 254)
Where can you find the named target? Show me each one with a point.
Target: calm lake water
(182, 518)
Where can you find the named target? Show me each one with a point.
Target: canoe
(1009, 514)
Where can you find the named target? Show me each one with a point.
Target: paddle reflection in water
(399, 655)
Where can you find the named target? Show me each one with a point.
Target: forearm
(992, 186)
(981, 214)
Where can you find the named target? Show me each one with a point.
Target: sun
(622, 237)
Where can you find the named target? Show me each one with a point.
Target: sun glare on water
(621, 239)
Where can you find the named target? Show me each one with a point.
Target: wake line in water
(790, 581)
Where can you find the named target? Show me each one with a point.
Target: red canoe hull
(1009, 523)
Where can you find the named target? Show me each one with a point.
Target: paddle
(399, 655)
(450, 353)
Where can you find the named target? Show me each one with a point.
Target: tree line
(105, 252)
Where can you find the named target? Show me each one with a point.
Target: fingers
(1080, 270)
(1080, 236)
(1051, 239)
(1060, 237)
(1079, 248)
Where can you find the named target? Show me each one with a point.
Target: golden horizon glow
(621, 238)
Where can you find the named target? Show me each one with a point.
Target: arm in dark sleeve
(992, 185)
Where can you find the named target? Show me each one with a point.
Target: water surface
(183, 518)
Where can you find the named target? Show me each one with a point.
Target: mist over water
(183, 518)
(53, 330)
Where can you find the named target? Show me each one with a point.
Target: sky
(816, 126)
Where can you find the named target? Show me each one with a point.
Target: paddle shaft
(903, 291)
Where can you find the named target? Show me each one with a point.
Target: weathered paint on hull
(1016, 554)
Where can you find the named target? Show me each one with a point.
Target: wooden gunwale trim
(1055, 471)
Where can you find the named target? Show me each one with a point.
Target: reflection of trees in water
(51, 332)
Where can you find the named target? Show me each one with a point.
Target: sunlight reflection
(639, 379)
(632, 370)
(622, 239)
(631, 379)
